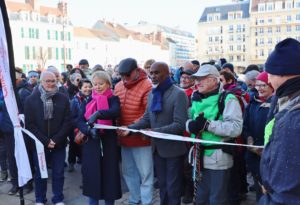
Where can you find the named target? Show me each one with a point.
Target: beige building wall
(271, 22)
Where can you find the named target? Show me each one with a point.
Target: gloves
(199, 124)
(94, 133)
(95, 116)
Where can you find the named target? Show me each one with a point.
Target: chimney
(34, 3)
(62, 6)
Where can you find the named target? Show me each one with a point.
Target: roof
(254, 3)
(44, 10)
(83, 32)
(224, 9)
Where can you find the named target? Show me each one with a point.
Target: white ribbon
(173, 137)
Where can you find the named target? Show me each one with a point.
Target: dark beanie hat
(83, 62)
(195, 62)
(250, 68)
(285, 59)
(228, 65)
(127, 65)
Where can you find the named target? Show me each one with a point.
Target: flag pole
(11, 65)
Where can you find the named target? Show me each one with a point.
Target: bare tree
(42, 58)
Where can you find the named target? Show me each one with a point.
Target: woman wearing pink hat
(254, 124)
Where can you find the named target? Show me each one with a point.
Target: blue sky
(181, 13)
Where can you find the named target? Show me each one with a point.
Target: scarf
(199, 96)
(289, 87)
(46, 97)
(99, 102)
(141, 76)
(158, 93)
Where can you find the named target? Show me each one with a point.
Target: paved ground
(73, 195)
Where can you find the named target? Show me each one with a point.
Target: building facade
(272, 21)
(41, 35)
(223, 32)
(246, 32)
(184, 41)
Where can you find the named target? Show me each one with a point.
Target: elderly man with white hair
(61, 88)
(47, 116)
(211, 122)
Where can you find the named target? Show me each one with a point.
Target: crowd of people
(204, 101)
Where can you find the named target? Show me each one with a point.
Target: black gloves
(199, 124)
(95, 116)
(94, 133)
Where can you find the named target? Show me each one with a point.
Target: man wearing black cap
(280, 163)
(84, 66)
(137, 163)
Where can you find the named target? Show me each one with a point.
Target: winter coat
(255, 119)
(6, 125)
(280, 163)
(56, 128)
(100, 174)
(133, 105)
(24, 92)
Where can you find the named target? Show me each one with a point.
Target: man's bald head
(159, 71)
(188, 66)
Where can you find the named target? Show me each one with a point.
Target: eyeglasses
(260, 86)
(50, 81)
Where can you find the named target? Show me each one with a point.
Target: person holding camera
(100, 158)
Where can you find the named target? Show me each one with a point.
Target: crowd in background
(204, 100)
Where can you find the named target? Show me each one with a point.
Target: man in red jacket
(137, 163)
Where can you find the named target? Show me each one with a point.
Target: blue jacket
(255, 119)
(280, 163)
(6, 125)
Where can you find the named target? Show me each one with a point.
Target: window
(269, 29)
(230, 16)
(261, 52)
(210, 39)
(29, 31)
(216, 38)
(49, 53)
(288, 4)
(261, 41)
(244, 48)
(269, 41)
(261, 7)
(56, 35)
(238, 58)
(288, 28)
(238, 28)
(217, 17)
(238, 15)
(22, 32)
(37, 34)
(270, 20)
(297, 4)
(231, 47)
(238, 47)
(230, 58)
(278, 39)
(244, 28)
(230, 29)
(278, 29)
(244, 38)
(261, 30)
(298, 17)
(261, 21)
(70, 54)
(33, 53)
(239, 37)
(297, 27)
(230, 37)
(27, 54)
(69, 36)
(288, 18)
(48, 34)
(270, 6)
(62, 35)
(62, 53)
(56, 53)
(209, 18)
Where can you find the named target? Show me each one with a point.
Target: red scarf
(99, 102)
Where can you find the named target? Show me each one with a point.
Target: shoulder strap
(221, 103)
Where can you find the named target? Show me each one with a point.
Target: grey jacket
(171, 120)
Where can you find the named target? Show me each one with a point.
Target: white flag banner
(24, 172)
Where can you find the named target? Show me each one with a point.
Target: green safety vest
(209, 106)
(269, 130)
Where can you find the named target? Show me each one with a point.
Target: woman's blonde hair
(102, 75)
